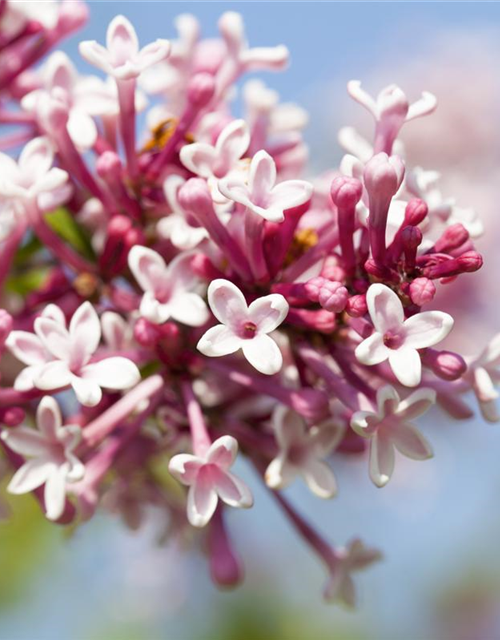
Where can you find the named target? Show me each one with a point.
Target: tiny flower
(389, 428)
(67, 354)
(244, 326)
(117, 332)
(52, 462)
(122, 58)
(32, 175)
(261, 194)
(168, 290)
(214, 162)
(483, 373)
(209, 479)
(355, 557)
(303, 452)
(396, 339)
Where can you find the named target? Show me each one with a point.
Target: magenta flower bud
(195, 197)
(13, 416)
(411, 237)
(415, 212)
(445, 364)
(470, 261)
(356, 306)
(109, 166)
(333, 297)
(467, 263)
(146, 333)
(201, 89)
(346, 192)
(6, 324)
(422, 291)
(332, 270)
(454, 237)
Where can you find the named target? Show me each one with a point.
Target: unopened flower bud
(383, 176)
(333, 296)
(146, 333)
(454, 237)
(12, 416)
(346, 192)
(356, 306)
(415, 212)
(201, 89)
(422, 291)
(445, 364)
(109, 166)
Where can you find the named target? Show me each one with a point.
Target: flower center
(393, 340)
(249, 330)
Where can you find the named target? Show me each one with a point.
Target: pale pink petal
(385, 308)
(489, 411)
(291, 193)
(48, 418)
(36, 159)
(201, 504)
(427, 329)
(53, 312)
(361, 556)
(52, 180)
(153, 53)
(289, 428)
(416, 404)
(96, 55)
(233, 491)
(148, 267)
(483, 385)
(152, 310)
(410, 442)
(227, 303)
(115, 330)
(360, 95)
(231, 144)
(235, 189)
(82, 129)
(223, 452)
(181, 273)
(88, 392)
(219, 341)
(85, 334)
(279, 473)
(199, 158)
(268, 312)
(262, 177)
(263, 354)
(347, 591)
(25, 441)
(60, 72)
(184, 467)
(53, 375)
(427, 104)
(31, 475)
(121, 41)
(319, 478)
(272, 58)
(54, 337)
(26, 347)
(364, 423)
(388, 401)
(327, 436)
(55, 493)
(112, 373)
(372, 350)
(406, 366)
(25, 380)
(381, 460)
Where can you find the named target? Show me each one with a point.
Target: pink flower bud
(13, 416)
(333, 296)
(454, 237)
(445, 364)
(195, 197)
(470, 261)
(422, 291)
(411, 238)
(415, 212)
(346, 192)
(383, 176)
(201, 89)
(109, 166)
(146, 333)
(356, 306)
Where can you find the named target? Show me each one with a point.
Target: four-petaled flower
(396, 339)
(355, 557)
(303, 452)
(122, 58)
(261, 194)
(67, 353)
(32, 175)
(483, 372)
(388, 428)
(209, 479)
(52, 462)
(244, 326)
(168, 290)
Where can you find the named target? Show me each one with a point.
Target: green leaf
(64, 224)
(24, 283)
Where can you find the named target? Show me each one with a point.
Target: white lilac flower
(483, 372)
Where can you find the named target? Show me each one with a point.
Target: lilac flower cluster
(169, 303)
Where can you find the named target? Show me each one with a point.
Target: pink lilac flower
(388, 428)
(209, 479)
(51, 459)
(244, 327)
(168, 290)
(302, 452)
(484, 373)
(398, 340)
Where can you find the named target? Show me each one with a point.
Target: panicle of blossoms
(196, 302)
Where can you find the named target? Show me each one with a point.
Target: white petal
(280, 474)
(290, 193)
(406, 366)
(25, 441)
(26, 347)
(384, 307)
(223, 452)
(268, 312)
(152, 310)
(372, 350)
(121, 40)
(48, 418)
(263, 354)
(289, 428)
(233, 491)
(185, 467)
(416, 404)
(410, 442)
(427, 329)
(54, 337)
(262, 176)
(201, 504)
(381, 460)
(227, 303)
(320, 479)
(82, 129)
(231, 144)
(55, 493)
(199, 158)
(219, 341)
(53, 375)
(31, 475)
(148, 267)
(190, 309)
(87, 392)
(85, 334)
(112, 373)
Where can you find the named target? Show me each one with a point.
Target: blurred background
(437, 523)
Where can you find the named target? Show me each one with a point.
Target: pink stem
(126, 97)
(199, 433)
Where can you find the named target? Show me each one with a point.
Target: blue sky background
(437, 523)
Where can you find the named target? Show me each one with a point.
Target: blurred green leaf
(64, 224)
(25, 283)
(27, 250)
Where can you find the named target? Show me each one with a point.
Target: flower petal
(26, 347)
(290, 193)
(85, 334)
(199, 158)
(263, 354)
(268, 312)
(54, 337)
(381, 460)
(219, 341)
(289, 428)
(427, 329)
(148, 267)
(384, 307)
(190, 309)
(231, 144)
(227, 303)
(55, 493)
(410, 442)
(233, 491)
(319, 478)
(112, 373)
(223, 452)
(88, 392)
(279, 473)
(372, 350)
(416, 404)
(53, 375)
(201, 503)
(115, 330)
(36, 159)
(82, 129)
(184, 467)
(406, 366)
(121, 41)
(262, 176)
(31, 475)
(48, 418)
(25, 441)
(153, 53)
